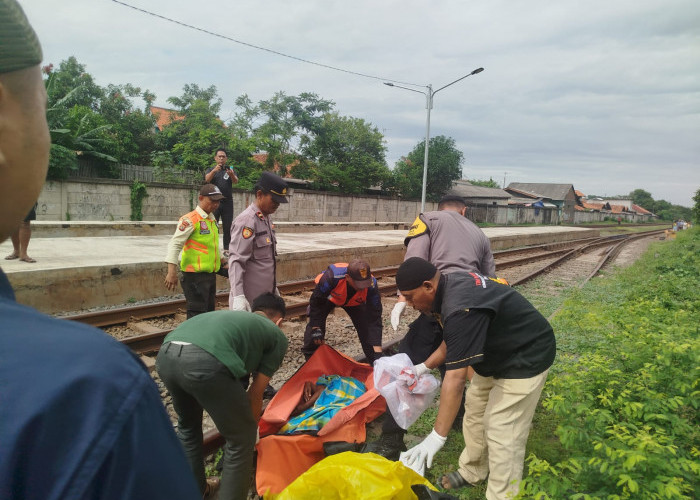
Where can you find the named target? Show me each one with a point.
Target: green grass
(619, 413)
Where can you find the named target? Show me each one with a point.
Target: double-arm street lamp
(429, 104)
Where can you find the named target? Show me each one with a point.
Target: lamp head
(389, 84)
(478, 70)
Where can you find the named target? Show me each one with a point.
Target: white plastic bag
(406, 396)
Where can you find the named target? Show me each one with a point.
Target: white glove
(422, 454)
(396, 313)
(240, 303)
(420, 370)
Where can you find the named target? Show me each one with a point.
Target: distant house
(642, 211)
(165, 117)
(563, 196)
(478, 195)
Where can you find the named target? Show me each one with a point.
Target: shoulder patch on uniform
(418, 228)
(502, 281)
(184, 224)
(247, 232)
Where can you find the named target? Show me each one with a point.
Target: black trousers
(423, 337)
(369, 337)
(200, 292)
(225, 213)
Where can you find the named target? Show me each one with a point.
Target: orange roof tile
(165, 116)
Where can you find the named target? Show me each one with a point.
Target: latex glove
(396, 313)
(422, 454)
(421, 370)
(240, 303)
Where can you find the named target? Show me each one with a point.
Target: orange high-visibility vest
(339, 294)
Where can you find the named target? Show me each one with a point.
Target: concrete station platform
(118, 263)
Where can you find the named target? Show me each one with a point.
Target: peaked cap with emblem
(19, 45)
(273, 184)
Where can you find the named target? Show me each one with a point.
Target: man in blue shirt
(80, 417)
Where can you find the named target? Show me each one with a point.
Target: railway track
(509, 264)
(518, 266)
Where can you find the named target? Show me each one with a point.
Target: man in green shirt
(205, 363)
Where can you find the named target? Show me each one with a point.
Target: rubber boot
(388, 445)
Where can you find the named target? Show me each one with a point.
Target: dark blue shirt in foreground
(80, 417)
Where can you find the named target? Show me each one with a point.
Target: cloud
(602, 95)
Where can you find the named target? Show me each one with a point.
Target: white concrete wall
(109, 200)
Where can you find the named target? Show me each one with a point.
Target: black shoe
(388, 446)
(334, 447)
(425, 493)
(269, 392)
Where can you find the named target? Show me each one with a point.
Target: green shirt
(244, 342)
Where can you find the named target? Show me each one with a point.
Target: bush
(61, 161)
(627, 388)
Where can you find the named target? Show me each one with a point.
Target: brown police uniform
(251, 264)
(451, 243)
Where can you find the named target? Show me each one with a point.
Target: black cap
(413, 273)
(360, 273)
(212, 192)
(273, 184)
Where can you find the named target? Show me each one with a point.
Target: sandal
(211, 488)
(27, 259)
(454, 480)
(12, 256)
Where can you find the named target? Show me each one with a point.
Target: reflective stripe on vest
(339, 294)
(197, 256)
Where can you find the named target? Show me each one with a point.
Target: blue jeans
(196, 380)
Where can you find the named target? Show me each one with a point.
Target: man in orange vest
(352, 287)
(197, 236)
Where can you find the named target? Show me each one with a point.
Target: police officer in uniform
(197, 236)
(452, 243)
(251, 264)
(352, 287)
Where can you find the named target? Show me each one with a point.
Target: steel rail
(149, 343)
(121, 315)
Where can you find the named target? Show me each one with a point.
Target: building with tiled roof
(165, 116)
(561, 195)
(478, 195)
(641, 210)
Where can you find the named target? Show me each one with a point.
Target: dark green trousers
(196, 380)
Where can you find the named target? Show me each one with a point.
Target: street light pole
(429, 104)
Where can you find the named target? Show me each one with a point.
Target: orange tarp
(282, 458)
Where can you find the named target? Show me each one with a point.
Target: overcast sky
(601, 94)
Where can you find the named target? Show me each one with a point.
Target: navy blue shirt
(80, 417)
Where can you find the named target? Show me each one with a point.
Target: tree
(347, 154)
(132, 129)
(288, 123)
(72, 78)
(643, 199)
(189, 144)
(696, 207)
(489, 183)
(75, 127)
(444, 167)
